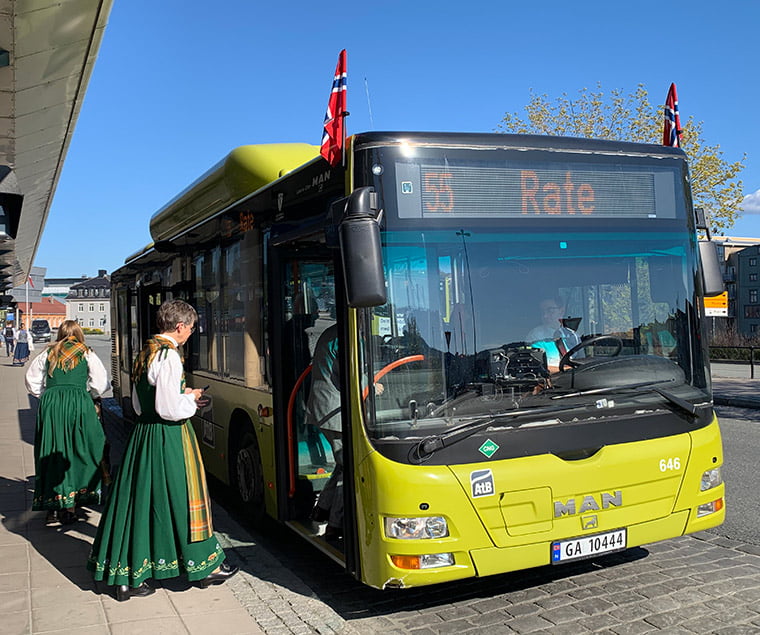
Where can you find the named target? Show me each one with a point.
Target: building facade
(51, 309)
(89, 303)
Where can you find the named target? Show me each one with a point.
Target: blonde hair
(70, 328)
(70, 336)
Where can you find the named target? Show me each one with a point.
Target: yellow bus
(523, 376)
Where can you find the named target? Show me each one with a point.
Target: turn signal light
(406, 562)
(710, 508)
(425, 561)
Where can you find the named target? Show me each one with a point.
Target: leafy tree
(632, 118)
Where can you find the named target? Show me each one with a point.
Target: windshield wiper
(681, 404)
(596, 391)
(429, 445)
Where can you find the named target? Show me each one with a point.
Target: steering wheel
(566, 361)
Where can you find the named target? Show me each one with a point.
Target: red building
(51, 309)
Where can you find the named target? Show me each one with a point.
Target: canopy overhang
(47, 52)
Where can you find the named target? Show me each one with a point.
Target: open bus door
(305, 303)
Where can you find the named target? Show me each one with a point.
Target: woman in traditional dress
(21, 353)
(69, 438)
(157, 518)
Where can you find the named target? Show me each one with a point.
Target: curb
(736, 402)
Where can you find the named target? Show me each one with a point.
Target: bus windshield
(490, 313)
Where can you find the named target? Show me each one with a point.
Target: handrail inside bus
(291, 433)
(388, 368)
(292, 401)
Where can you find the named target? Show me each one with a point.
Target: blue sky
(178, 84)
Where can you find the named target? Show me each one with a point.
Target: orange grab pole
(386, 369)
(291, 434)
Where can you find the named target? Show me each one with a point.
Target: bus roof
(514, 141)
(241, 172)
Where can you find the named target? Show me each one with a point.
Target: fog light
(711, 478)
(416, 528)
(425, 561)
(709, 508)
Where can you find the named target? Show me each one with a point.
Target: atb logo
(481, 483)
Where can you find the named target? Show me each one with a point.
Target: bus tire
(247, 475)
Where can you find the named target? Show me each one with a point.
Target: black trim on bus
(568, 441)
(368, 140)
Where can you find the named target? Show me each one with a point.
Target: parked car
(40, 331)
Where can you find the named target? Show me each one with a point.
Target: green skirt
(145, 527)
(68, 448)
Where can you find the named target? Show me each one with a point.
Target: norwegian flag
(671, 133)
(334, 136)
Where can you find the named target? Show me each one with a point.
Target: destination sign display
(535, 190)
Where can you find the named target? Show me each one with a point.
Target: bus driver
(551, 329)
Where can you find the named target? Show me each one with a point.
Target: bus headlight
(416, 528)
(711, 478)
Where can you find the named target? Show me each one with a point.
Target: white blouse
(97, 377)
(165, 373)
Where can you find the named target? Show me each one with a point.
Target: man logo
(481, 483)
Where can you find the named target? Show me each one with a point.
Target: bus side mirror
(362, 255)
(712, 279)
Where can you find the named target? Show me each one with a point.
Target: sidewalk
(739, 393)
(44, 586)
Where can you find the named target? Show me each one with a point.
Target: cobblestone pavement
(694, 584)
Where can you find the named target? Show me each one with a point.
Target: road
(741, 445)
(101, 344)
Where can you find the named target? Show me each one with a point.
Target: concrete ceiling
(52, 46)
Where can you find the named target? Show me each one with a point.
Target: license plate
(588, 546)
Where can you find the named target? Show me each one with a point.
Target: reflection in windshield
(492, 322)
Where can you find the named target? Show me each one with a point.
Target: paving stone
(529, 624)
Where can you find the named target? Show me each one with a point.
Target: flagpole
(27, 299)
(345, 114)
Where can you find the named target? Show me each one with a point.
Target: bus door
(150, 298)
(303, 309)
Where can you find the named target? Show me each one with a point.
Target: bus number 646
(672, 463)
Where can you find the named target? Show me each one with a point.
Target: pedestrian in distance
(9, 334)
(68, 439)
(157, 518)
(21, 352)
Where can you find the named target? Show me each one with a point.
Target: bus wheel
(248, 475)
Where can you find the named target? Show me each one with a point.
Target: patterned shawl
(156, 345)
(66, 355)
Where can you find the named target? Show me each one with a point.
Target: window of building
(753, 328)
(92, 322)
(753, 277)
(81, 307)
(753, 262)
(752, 311)
(753, 296)
(92, 308)
(102, 307)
